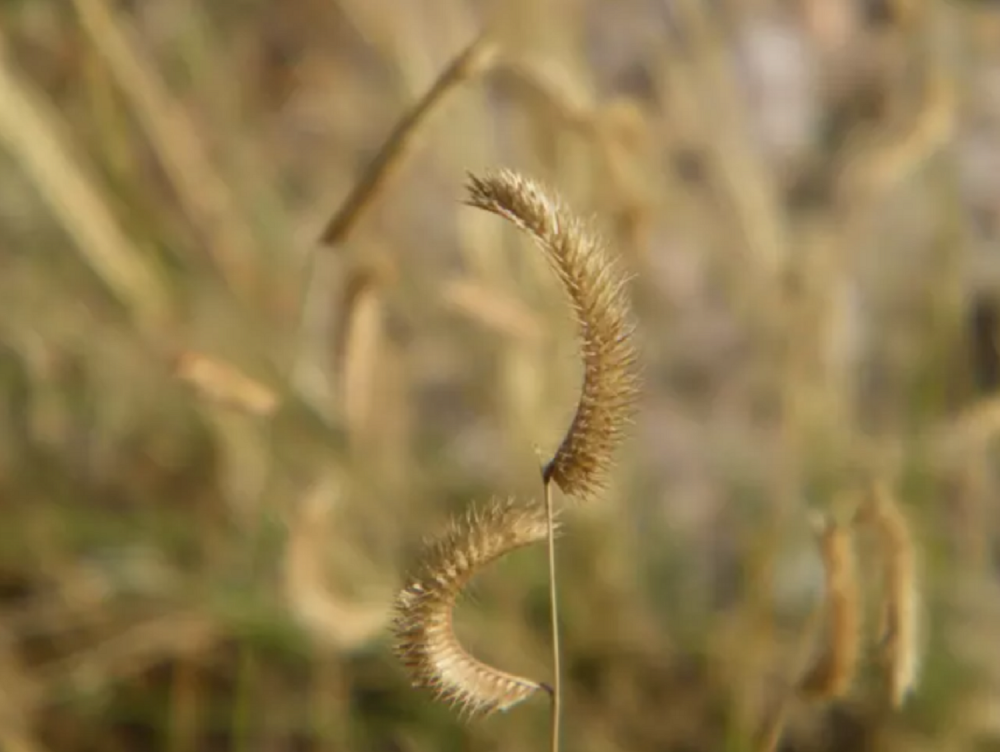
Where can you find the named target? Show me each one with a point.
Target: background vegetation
(808, 194)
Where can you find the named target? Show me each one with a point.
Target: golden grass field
(255, 350)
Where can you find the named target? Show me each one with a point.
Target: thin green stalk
(556, 693)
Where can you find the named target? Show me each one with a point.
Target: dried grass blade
(470, 63)
(29, 126)
(224, 384)
(181, 150)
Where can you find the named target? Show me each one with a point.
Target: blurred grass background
(808, 194)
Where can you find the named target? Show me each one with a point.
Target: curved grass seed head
(900, 638)
(425, 639)
(597, 291)
(834, 669)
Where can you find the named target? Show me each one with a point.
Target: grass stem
(554, 618)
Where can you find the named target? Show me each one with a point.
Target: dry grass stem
(424, 630)
(30, 129)
(567, 100)
(470, 63)
(898, 149)
(333, 620)
(504, 314)
(203, 192)
(598, 294)
(899, 639)
(361, 339)
(132, 650)
(831, 674)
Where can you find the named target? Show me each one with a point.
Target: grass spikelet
(598, 295)
(899, 638)
(831, 674)
(425, 638)
(837, 622)
(224, 384)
